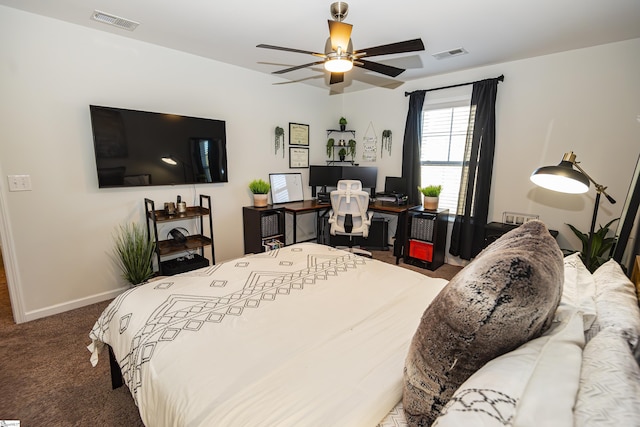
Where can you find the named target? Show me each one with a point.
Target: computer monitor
(368, 175)
(395, 185)
(323, 176)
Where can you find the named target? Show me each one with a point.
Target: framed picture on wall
(298, 134)
(298, 157)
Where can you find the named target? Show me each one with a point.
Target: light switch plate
(19, 182)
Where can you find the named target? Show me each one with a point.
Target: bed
(302, 335)
(309, 335)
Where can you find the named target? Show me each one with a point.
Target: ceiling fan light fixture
(338, 65)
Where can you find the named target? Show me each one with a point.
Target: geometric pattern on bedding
(395, 417)
(188, 313)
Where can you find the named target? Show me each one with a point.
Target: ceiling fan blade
(387, 70)
(288, 49)
(399, 47)
(297, 67)
(336, 78)
(340, 34)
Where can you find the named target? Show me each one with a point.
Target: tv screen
(138, 148)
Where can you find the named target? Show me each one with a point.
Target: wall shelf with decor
(334, 152)
(174, 246)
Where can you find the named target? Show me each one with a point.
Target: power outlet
(19, 182)
(515, 218)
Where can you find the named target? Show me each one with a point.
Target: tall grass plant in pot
(431, 195)
(133, 253)
(260, 190)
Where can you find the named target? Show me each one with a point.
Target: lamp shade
(169, 160)
(562, 178)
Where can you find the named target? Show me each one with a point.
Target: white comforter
(306, 335)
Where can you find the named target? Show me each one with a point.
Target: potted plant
(330, 143)
(343, 123)
(260, 190)
(279, 139)
(600, 244)
(431, 195)
(386, 141)
(352, 148)
(134, 253)
(342, 153)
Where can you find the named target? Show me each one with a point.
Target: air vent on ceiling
(450, 53)
(116, 21)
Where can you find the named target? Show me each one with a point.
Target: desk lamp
(565, 179)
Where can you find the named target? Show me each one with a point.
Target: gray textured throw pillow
(505, 297)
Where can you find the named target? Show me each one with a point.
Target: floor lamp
(565, 179)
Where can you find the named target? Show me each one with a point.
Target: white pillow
(534, 385)
(616, 302)
(579, 289)
(609, 392)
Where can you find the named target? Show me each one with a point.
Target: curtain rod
(501, 79)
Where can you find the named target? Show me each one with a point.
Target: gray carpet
(46, 378)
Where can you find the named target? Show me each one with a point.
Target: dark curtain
(411, 146)
(467, 236)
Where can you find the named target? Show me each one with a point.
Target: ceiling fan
(339, 56)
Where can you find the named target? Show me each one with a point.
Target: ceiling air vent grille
(450, 53)
(116, 21)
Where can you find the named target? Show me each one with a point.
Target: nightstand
(494, 230)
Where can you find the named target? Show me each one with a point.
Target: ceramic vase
(430, 203)
(260, 200)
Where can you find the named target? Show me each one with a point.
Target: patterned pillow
(534, 385)
(609, 392)
(504, 298)
(616, 302)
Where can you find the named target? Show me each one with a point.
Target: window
(444, 133)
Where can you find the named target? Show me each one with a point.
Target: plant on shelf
(343, 123)
(279, 139)
(330, 143)
(134, 253)
(342, 154)
(352, 148)
(431, 195)
(260, 190)
(600, 244)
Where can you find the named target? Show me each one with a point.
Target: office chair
(348, 215)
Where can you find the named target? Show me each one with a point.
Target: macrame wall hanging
(370, 144)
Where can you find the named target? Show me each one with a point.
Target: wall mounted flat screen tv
(138, 148)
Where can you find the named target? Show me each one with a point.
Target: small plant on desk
(260, 190)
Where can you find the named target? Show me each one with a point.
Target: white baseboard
(72, 305)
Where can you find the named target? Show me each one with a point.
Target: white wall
(59, 234)
(586, 101)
